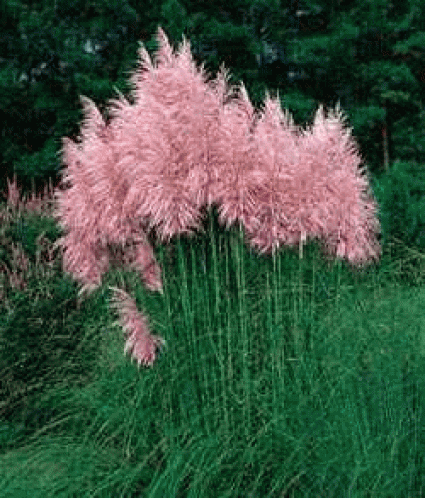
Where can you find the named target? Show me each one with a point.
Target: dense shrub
(401, 197)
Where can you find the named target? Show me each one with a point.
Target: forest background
(368, 54)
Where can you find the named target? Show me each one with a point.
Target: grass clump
(285, 376)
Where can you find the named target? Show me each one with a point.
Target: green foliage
(92, 85)
(46, 67)
(415, 41)
(384, 77)
(409, 136)
(26, 229)
(316, 49)
(401, 197)
(300, 106)
(40, 164)
(35, 340)
(174, 15)
(364, 118)
(281, 374)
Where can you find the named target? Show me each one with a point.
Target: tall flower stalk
(187, 143)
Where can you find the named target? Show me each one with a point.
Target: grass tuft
(285, 376)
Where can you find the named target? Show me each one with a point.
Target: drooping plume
(91, 211)
(140, 342)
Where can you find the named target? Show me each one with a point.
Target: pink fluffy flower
(141, 257)
(312, 186)
(91, 210)
(187, 143)
(170, 134)
(340, 205)
(140, 342)
(255, 183)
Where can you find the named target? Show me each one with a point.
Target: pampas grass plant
(187, 144)
(285, 373)
(286, 376)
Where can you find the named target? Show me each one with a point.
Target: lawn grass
(289, 376)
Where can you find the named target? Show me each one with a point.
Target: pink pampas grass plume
(91, 210)
(141, 257)
(140, 342)
(307, 184)
(186, 144)
(170, 132)
(341, 207)
(253, 185)
(237, 183)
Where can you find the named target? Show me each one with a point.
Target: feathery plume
(187, 143)
(171, 130)
(140, 342)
